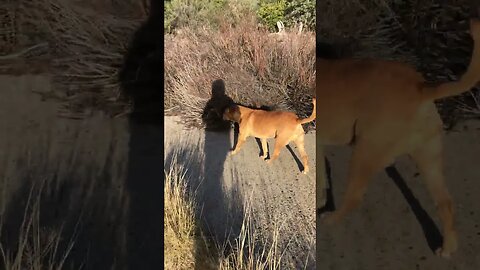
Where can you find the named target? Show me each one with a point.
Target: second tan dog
(281, 125)
(385, 109)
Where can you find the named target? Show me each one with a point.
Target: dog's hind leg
(279, 143)
(366, 161)
(429, 159)
(300, 142)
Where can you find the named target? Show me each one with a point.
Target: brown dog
(385, 109)
(284, 126)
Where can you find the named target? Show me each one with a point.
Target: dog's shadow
(297, 160)
(430, 230)
(259, 143)
(330, 201)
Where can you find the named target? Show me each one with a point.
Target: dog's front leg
(365, 162)
(279, 143)
(241, 140)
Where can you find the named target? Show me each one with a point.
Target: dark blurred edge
(141, 79)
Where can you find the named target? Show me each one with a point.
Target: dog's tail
(468, 80)
(312, 116)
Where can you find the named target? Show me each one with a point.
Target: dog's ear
(232, 112)
(227, 111)
(236, 113)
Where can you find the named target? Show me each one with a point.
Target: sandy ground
(279, 194)
(397, 223)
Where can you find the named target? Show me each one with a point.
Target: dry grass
(258, 68)
(37, 248)
(87, 49)
(185, 247)
(250, 250)
(86, 46)
(179, 222)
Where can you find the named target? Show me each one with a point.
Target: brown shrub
(258, 68)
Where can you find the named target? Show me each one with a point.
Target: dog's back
(266, 124)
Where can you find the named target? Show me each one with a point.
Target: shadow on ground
(64, 185)
(430, 230)
(220, 208)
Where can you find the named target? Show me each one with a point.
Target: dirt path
(280, 195)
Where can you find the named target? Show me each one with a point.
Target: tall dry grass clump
(251, 250)
(36, 247)
(259, 68)
(186, 247)
(179, 222)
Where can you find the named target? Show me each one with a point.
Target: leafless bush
(258, 69)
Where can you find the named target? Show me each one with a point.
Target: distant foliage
(290, 12)
(198, 13)
(270, 12)
(182, 13)
(300, 11)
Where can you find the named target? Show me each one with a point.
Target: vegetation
(201, 13)
(430, 34)
(187, 248)
(259, 68)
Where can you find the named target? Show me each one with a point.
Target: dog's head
(232, 113)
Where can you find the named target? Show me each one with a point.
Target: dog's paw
(263, 157)
(442, 253)
(329, 218)
(232, 152)
(450, 245)
(305, 170)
